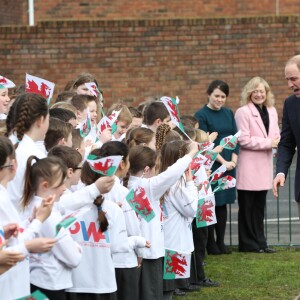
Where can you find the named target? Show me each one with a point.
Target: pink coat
(255, 161)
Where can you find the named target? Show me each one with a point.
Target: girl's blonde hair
(251, 86)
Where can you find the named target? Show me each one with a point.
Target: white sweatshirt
(117, 195)
(53, 270)
(96, 272)
(180, 209)
(15, 283)
(25, 149)
(155, 187)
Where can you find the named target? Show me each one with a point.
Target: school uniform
(180, 205)
(15, 283)
(52, 271)
(96, 273)
(25, 149)
(127, 273)
(151, 283)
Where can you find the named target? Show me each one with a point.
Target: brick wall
(141, 9)
(15, 11)
(136, 59)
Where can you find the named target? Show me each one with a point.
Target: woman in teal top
(214, 117)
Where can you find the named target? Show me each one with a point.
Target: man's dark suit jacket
(290, 139)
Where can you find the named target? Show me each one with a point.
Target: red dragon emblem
(32, 87)
(141, 202)
(3, 80)
(175, 264)
(103, 168)
(205, 212)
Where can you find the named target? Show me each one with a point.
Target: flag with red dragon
(6, 83)
(140, 203)
(176, 264)
(205, 214)
(106, 166)
(40, 86)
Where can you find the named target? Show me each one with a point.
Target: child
(155, 114)
(64, 115)
(15, 283)
(142, 170)
(101, 232)
(140, 136)
(127, 273)
(78, 142)
(4, 102)
(180, 203)
(123, 122)
(30, 123)
(137, 117)
(59, 133)
(80, 103)
(50, 273)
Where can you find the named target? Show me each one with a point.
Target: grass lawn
(245, 276)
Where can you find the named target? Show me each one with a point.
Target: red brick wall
(141, 9)
(13, 12)
(136, 59)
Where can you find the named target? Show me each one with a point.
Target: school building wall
(135, 59)
(16, 11)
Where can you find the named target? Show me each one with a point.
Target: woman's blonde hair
(251, 86)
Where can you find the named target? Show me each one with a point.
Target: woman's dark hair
(50, 169)
(88, 176)
(26, 110)
(218, 84)
(6, 150)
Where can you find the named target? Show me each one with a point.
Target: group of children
(109, 252)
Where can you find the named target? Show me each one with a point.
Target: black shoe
(269, 250)
(208, 283)
(224, 249)
(179, 292)
(191, 288)
(212, 248)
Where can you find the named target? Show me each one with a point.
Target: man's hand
(279, 180)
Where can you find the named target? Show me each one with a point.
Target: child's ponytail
(103, 223)
(29, 184)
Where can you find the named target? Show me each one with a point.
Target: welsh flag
(205, 189)
(2, 236)
(139, 202)
(85, 126)
(211, 157)
(224, 183)
(68, 220)
(200, 175)
(172, 106)
(93, 88)
(6, 83)
(197, 162)
(206, 214)
(216, 175)
(206, 146)
(39, 86)
(176, 264)
(230, 142)
(37, 295)
(106, 166)
(108, 122)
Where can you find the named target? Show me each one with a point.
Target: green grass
(245, 276)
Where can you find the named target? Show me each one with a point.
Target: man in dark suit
(290, 135)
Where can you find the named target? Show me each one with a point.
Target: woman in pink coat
(258, 120)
